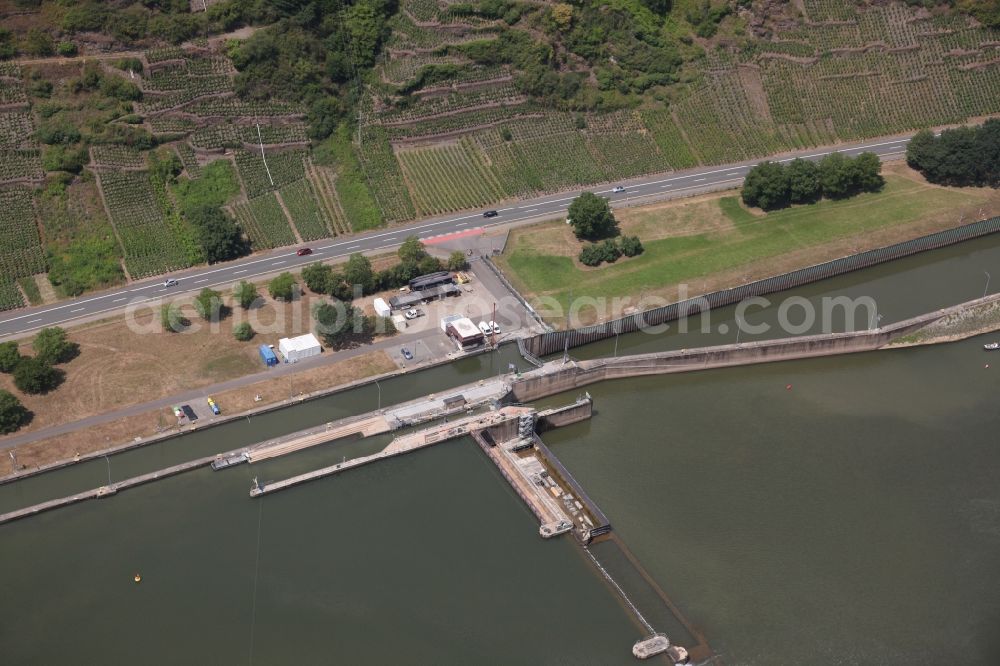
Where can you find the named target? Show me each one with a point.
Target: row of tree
(610, 249)
(772, 185)
(961, 156)
(33, 374)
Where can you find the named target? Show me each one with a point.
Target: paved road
(651, 188)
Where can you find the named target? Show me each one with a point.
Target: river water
(851, 519)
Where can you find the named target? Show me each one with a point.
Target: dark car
(406, 354)
(303, 251)
(490, 213)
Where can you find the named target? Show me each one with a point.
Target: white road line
(117, 300)
(34, 320)
(698, 180)
(530, 209)
(462, 224)
(77, 310)
(200, 281)
(238, 272)
(350, 246)
(663, 187)
(733, 173)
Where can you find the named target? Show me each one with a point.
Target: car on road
(412, 314)
(406, 354)
(170, 283)
(495, 327)
(490, 213)
(617, 188)
(303, 251)
(485, 328)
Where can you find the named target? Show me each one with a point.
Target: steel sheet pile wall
(556, 341)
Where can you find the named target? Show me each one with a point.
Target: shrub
(245, 294)
(209, 305)
(10, 356)
(591, 255)
(318, 277)
(244, 332)
(171, 318)
(631, 246)
(33, 375)
(609, 251)
(66, 49)
(282, 287)
(457, 261)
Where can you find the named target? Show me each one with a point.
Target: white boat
(992, 346)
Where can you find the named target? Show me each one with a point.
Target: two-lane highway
(651, 188)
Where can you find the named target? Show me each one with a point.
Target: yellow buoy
(137, 578)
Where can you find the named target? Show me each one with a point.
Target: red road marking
(448, 237)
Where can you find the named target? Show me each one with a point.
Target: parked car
(170, 283)
(495, 327)
(412, 314)
(490, 213)
(303, 251)
(406, 354)
(485, 328)
(617, 188)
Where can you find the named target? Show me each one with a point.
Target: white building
(382, 308)
(465, 334)
(298, 348)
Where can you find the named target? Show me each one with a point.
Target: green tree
(803, 181)
(591, 255)
(52, 346)
(12, 413)
(318, 277)
(10, 356)
(412, 250)
(358, 271)
(171, 318)
(591, 217)
(208, 304)
(766, 186)
(33, 375)
(836, 176)
(867, 178)
(243, 332)
(429, 264)
(282, 287)
(245, 293)
(457, 261)
(38, 43)
(218, 234)
(342, 325)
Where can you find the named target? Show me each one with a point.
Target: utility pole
(987, 287)
(108, 460)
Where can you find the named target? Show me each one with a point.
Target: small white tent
(382, 308)
(298, 348)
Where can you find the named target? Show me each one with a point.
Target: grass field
(713, 242)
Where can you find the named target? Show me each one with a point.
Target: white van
(485, 328)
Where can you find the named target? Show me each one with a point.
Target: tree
(591, 217)
(429, 264)
(171, 318)
(609, 251)
(412, 250)
(803, 181)
(867, 178)
(243, 332)
(218, 234)
(766, 186)
(51, 346)
(457, 261)
(245, 294)
(209, 305)
(12, 413)
(10, 356)
(282, 287)
(591, 255)
(358, 271)
(836, 176)
(562, 14)
(342, 325)
(318, 277)
(33, 375)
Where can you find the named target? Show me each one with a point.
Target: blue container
(267, 354)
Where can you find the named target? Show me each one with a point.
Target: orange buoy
(788, 387)
(137, 578)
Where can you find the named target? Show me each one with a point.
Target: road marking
(462, 224)
(277, 263)
(663, 187)
(238, 272)
(34, 320)
(77, 310)
(117, 300)
(200, 281)
(530, 209)
(698, 180)
(350, 246)
(733, 173)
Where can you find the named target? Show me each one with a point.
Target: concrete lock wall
(562, 416)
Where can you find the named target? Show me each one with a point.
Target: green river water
(853, 519)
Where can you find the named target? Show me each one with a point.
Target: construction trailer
(299, 348)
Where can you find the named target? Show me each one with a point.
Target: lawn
(712, 242)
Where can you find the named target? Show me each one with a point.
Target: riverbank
(711, 242)
(966, 323)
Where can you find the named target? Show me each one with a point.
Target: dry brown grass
(272, 391)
